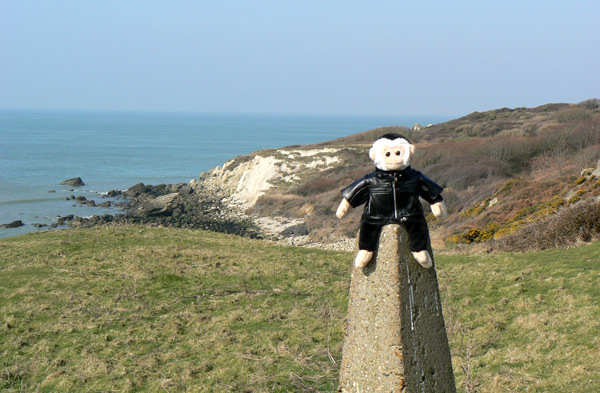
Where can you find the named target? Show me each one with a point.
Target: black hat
(392, 135)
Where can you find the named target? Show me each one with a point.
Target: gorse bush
(576, 197)
(473, 235)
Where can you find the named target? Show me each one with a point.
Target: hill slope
(501, 169)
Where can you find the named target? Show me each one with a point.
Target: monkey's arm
(343, 208)
(354, 195)
(439, 210)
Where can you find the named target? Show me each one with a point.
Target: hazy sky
(289, 56)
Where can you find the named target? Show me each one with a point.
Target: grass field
(525, 322)
(153, 310)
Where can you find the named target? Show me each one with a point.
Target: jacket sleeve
(429, 190)
(357, 193)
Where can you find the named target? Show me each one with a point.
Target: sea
(116, 150)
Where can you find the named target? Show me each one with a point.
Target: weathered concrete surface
(395, 338)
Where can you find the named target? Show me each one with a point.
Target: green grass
(526, 322)
(168, 310)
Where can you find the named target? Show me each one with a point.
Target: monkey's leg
(363, 257)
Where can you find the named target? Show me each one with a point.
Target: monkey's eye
(397, 152)
(387, 154)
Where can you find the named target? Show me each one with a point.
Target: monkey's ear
(372, 154)
(412, 149)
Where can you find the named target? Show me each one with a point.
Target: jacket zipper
(394, 192)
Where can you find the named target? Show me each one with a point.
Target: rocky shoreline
(221, 200)
(183, 206)
(200, 204)
(168, 205)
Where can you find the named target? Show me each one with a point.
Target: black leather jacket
(392, 196)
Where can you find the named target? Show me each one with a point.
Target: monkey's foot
(362, 258)
(423, 258)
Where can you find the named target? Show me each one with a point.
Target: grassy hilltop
(179, 310)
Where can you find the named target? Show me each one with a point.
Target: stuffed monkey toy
(391, 196)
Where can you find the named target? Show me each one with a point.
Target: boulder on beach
(14, 224)
(76, 181)
(161, 206)
(113, 194)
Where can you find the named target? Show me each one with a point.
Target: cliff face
(244, 182)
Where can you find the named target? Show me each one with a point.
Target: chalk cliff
(244, 182)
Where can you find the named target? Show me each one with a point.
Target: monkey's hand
(439, 210)
(342, 208)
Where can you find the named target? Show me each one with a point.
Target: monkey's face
(396, 158)
(391, 155)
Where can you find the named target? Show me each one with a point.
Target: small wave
(105, 193)
(17, 201)
(72, 190)
(82, 191)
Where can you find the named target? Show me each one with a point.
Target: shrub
(573, 136)
(576, 197)
(590, 180)
(556, 202)
(572, 224)
(317, 186)
(507, 230)
(572, 114)
(514, 151)
(594, 103)
(475, 210)
(462, 175)
(509, 184)
(475, 235)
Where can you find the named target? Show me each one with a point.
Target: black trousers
(418, 234)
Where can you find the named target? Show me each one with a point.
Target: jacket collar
(392, 175)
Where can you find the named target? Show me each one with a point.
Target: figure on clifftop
(391, 196)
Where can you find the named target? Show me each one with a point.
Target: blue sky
(315, 57)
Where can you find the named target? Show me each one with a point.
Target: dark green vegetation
(154, 309)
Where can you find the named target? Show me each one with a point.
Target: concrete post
(395, 338)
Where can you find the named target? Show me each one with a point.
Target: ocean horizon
(116, 150)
